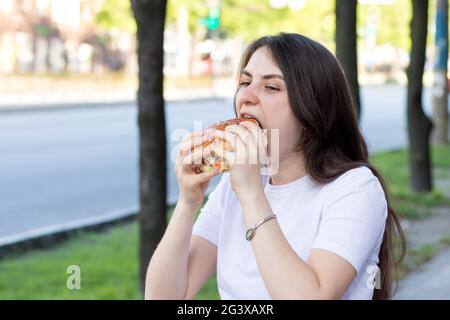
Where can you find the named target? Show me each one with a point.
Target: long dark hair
(332, 143)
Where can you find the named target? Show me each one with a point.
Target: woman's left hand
(246, 154)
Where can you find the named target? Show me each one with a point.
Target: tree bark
(346, 46)
(419, 126)
(150, 18)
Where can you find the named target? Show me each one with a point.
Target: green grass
(424, 253)
(442, 174)
(416, 257)
(441, 155)
(446, 240)
(108, 263)
(410, 210)
(209, 291)
(395, 170)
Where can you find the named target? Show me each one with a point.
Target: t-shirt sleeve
(209, 220)
(353, 218)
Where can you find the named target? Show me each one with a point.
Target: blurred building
(58, 36)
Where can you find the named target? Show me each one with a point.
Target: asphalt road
(64, 164)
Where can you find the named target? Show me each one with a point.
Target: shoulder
(361, 178)
(357, 187)
(357, 174)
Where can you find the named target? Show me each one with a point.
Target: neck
(290, 169)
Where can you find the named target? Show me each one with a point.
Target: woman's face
(262, 94)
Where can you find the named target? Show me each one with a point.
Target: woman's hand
(247, 152)
(192, 185)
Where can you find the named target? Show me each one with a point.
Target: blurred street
(65, 164)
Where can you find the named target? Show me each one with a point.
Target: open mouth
(248, 115)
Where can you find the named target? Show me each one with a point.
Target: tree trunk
(419, 126)
(150, 17)
(440, 88)
(346, 47)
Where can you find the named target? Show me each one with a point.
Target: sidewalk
(52, 93)
(433, 282)
(432, 279)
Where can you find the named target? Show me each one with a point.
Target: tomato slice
(217, 165)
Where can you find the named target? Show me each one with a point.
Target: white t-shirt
(346, 216)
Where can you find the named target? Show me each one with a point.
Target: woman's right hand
(192, 185)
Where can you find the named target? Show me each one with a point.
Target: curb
(5, 109)
(63, 106)
(45, 237)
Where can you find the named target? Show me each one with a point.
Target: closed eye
(272, 88)
(244, 83)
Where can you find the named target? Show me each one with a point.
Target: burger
(213, 161)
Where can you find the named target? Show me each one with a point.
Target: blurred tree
(197, 9)
(419, 126)
(249, 19)
(346, 46)
(391, 22)
(150, 18)
(116, 14)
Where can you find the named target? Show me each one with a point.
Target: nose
(247, 96)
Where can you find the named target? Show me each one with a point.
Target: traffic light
(213, 18)
(212, 21)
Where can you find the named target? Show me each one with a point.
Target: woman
(317, 228)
